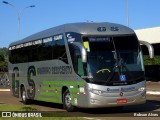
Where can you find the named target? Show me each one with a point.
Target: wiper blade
(110, 76)
(120, 70)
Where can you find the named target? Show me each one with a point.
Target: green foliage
(151, 61)
(3, 59)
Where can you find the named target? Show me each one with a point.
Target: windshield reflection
(113, 59)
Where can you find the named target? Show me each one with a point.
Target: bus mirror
(150, 48)
(83, 51)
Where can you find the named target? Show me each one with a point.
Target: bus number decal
(15, 82)
(31, 90)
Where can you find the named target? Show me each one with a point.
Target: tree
(3, 60)
(2, 57)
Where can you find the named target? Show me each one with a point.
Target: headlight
(98, 92)
(141, 89)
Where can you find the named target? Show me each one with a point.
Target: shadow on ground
(150, 105)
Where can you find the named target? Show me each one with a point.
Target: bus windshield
(113, 60)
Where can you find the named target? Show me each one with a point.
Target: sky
(50, 13)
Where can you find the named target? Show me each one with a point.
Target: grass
(30, 109)
(6, 87)
(45, 118)
(6, 107)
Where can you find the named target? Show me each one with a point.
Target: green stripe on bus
(56, 100)
(58, 89)
(51, 88)
(47, 88)
(50, 94)
(66, 82)
(74, 90)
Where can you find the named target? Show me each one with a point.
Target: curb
(4, 90)
(153, 92)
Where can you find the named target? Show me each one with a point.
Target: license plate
(124, 100)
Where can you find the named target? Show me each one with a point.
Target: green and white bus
(87, 65)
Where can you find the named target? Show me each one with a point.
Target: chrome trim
(150, 48)
(83, 51)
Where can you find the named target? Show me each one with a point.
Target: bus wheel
(23, 96)
(67, 101)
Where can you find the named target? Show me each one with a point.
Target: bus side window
(80, 66)
(59, 51)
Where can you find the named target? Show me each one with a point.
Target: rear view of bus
(111, 65)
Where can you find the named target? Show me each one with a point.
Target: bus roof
(82, 28)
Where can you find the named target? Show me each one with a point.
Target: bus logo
(70, 38)
(121, 93)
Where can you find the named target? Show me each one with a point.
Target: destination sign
(99, 39)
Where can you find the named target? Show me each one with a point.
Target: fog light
(93, 100)
(141, 89)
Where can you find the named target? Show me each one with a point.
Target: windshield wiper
(110, 76)
(120, 66)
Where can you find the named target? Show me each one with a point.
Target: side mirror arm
(150, 48)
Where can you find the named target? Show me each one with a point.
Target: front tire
(24, 96)
(67, 101)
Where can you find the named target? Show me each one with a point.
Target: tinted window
(46, 49)
(60, 51)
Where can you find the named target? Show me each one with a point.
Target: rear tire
(67, 101)
(24, 96)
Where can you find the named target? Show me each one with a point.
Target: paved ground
(153, 88)
(152, 104)
(7, 98)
